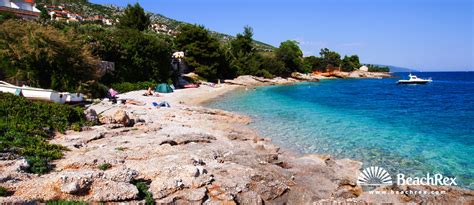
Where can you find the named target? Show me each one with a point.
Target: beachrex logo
(437, 179)
(377, 176)
(374, 176)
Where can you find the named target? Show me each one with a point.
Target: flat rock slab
(188, 138)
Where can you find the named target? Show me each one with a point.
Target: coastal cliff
(189, 154)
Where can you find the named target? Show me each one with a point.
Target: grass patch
(76, 127)
(3, 191)
(143, 192)
(25, 127)
(104, 166)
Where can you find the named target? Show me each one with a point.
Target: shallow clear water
(410, 129)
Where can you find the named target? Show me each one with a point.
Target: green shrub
(3, 191)
(38, 165)
(143, 192)
(6, 15)
(127, 87)
(26, 125)
(264, 73)
(76, 127)
(104, 166)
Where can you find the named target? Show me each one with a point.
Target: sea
(409, 129)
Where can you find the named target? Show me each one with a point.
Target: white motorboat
(41, 94)
(414, 80)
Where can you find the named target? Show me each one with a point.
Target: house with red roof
(23, 8)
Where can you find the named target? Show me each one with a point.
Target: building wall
(21, 13)
(24, 6)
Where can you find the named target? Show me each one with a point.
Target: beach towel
(161, 104)
(191, 86)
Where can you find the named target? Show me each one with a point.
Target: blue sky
(421, 34)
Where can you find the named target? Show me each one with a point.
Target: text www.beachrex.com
(408, 192)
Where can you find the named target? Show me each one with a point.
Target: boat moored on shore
(41, 94)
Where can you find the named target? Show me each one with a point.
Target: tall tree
(143, 57)
(138, 56)
(349, 63)
(202, 51)
(330, 58)
(245, 64)
(314, 63)
(243, 43)
(290, 53)
(272, 65)
(243, 57)
(134, 17)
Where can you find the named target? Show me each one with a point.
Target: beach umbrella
(163, 88)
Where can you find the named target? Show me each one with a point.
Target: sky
(427, 35)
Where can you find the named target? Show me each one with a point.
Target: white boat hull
(41, 94)
(5, 89)
(414, 82)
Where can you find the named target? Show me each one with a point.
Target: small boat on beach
(41, 94)
(414, 80)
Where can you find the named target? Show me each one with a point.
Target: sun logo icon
(374, 176)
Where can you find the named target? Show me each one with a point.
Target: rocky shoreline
(189, 154)
(247, 80)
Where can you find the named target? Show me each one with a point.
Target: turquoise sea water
(410, 129)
